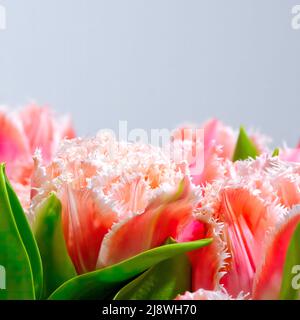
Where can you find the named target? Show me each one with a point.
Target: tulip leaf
(27, 238)
(57, 265)
(19, 255)
(244, 148)
(164, 281)
(290, 285)
(275, 152)
(102, 283)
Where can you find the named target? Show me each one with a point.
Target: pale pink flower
(21, 133)
(118, 199)
(255, 203)
(289, 154)
(215, 146)
(210, 149)
(272, 179)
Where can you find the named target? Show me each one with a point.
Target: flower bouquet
(213, 214)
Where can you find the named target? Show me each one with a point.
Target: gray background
(155, 63)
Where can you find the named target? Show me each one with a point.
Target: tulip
(217, 145)
(291, 155)
(255, 203)
(118, 199)
(21, 133)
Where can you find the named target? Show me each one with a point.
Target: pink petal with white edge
(163, 218)
(208, 262)
(209, 295)
(86, 220)
(100, 182)
(246, 220)
(268, 278)
(272, 179)
(87, 215)
(288, 190)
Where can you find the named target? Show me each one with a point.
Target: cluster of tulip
(97, 218)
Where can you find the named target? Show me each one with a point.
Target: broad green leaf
(102, 283)
(16, 273)
(244, 148)
(291, 271)
(57, 265)
(275, 152)
(27, 238)
(164, 281)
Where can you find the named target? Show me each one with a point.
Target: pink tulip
(273, 179)
(254, 204)
(118, 199)
(44, 130)
(217, 145)
(291, 155)
(21, 133)
(208, 146)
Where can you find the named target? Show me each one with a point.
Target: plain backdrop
(155, 63)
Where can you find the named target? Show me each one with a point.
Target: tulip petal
(44, 130)
(207, 263)
(86, 220)
(290, 155)
(246, 219)
(38, 127)
(268, 278)
(13, 146)
(163, 218)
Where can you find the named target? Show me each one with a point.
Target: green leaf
(58, 267)
(164, 281)
(245, 148)
(15, 235)
(27, 238)
(291, 269)
(102, 283)
(275, 152)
